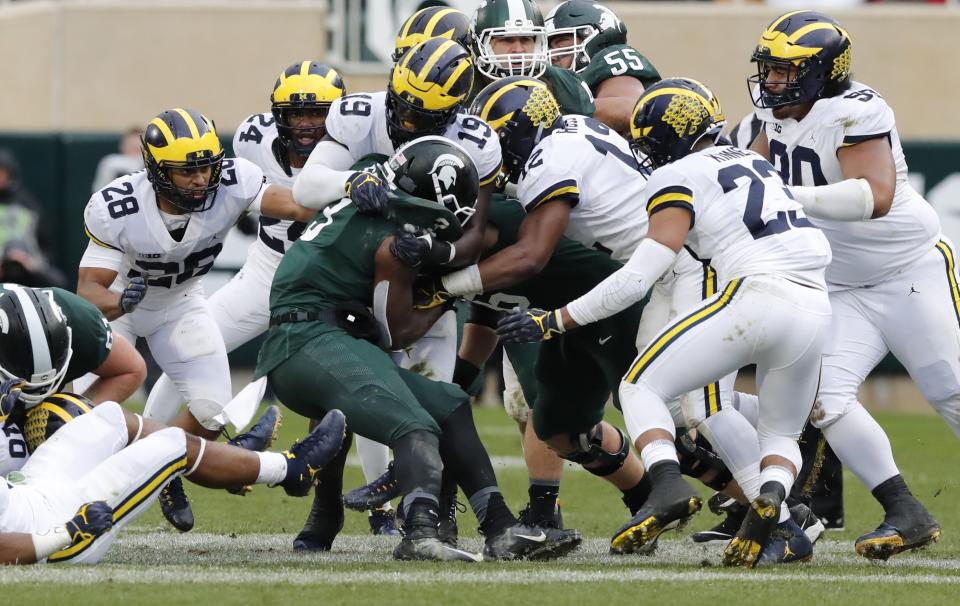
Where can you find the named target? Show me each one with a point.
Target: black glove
(133, 293)
(368, 192)
(10, 405)
(529, 326)
(429, 293)
(420, 248)
(92, 520)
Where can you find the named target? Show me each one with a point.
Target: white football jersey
(745, 222)
(591, 163)
(256, 140)
(13, 450)
(124, 216)
(805, 153)
(359, 122)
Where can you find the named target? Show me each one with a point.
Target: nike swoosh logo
(605, 339)
(476, 557)
(537, 539)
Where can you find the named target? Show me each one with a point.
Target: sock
(543, 496)
(862, 446)
(658, 451)
(664, 471)
(635, 497)
(273, 468)
(889, 492)
(777, 480)
(491, 511)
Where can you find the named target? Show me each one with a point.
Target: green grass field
(240, 551)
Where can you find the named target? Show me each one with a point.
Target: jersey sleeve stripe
(566, 188)
(492, 176)
(674, 193)
(98, 241)
(854, 139)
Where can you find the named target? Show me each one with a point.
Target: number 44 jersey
(127, 233)
(742, 217)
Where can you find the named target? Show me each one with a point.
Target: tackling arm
(324, 176)
(93, 284)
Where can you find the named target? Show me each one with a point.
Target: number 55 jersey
(127, 233)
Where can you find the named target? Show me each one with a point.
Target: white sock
(862, 446)
(273, 468)
(735, 441)
(658, 450)
(748, 405)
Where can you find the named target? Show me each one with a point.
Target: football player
(591, 40)
(432, 22)
(325, 350)
(161, 229)
(727, 205)
(893, 279)
(96, 470)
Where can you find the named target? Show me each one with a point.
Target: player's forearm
(510, 266)
(107, 301)
(17, 548)
(318, 186)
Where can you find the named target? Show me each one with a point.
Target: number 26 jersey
(123, 218)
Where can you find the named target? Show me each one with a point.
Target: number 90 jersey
(359, 123)
(124, 217)
(591, 165)
(805, 153)
(743, 219)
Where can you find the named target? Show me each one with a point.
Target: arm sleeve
(322, 180)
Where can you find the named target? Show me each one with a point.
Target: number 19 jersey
(805, 153)
(742, 217)
(124, 217)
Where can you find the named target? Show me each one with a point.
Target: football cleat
(809, 523)
(447, 529)
(720, 503)
(667, 508)
(175, 505)
(900, 531)
(324, 522)
(383, 522)
(313, 453)
(788, 544)
(530, 517)
(259, 438)
(374, 495)
(726, 529)
(522, 542)
(761, 520)
(431, 548)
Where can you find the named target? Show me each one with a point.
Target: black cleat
(420, 541)
(176, 506)
(667, 507)
(258, 439)
(522, 542)
(907, 526)
(383, 522)
(530, 517)
(726, 529)
(313, 453)
(809, 523)
(720, 503)
(788, 544)
(447, 530)
(325, 520)
(374, 495)
(758, 525)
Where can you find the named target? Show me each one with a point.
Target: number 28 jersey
(124, 217)
(805, 153)
(359, 123)
(743, 218)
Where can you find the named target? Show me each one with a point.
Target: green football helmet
(509, 19)
(593, 27)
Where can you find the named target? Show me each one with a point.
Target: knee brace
(697, 459)
(589, 450)
(205, 411)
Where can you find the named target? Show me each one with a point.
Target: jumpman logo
(913, 290)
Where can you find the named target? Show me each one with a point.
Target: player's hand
(368, 192)
(133, 293)
(429, 293)
(10, 404)
(529, 326)
(420, 248)
(92, 520)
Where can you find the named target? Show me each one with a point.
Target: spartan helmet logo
(608, 19)
(444, 173)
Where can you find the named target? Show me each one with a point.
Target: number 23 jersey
(123, 217)
(742, 217)
(359, 123)
(805, 153)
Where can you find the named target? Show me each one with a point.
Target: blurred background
(81, 77)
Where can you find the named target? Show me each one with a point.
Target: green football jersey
(619, 60)
(567, 88)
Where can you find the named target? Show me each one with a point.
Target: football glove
(133, 293)
(10, 405)
(529, 326)
(92, 520)
(429, 293)
(420, 248)
(368, 192)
